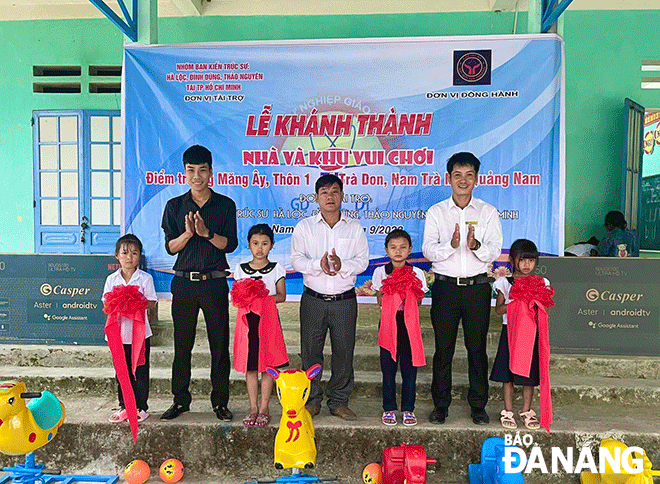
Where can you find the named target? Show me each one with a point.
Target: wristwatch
(211, 235)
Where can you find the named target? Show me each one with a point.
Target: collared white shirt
(441, 220)
(146, 284)
(270, 275)
(312, 237)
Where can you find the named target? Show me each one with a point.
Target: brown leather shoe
(313, 410)
(344, 413)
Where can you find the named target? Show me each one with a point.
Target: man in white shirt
(329, 250)
(462, 236)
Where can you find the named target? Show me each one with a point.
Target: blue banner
(383, 114)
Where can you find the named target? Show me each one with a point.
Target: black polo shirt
(200, 255)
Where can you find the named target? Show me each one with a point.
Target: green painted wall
(604, 51)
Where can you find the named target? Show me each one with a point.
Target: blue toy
(491, 469)
(296, 478)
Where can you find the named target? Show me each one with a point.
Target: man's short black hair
(128, 239)
(616, 220)
(523, 249)
(398, 234)
(326, 180)
(197, 155)
(261, 229)
(463, 158)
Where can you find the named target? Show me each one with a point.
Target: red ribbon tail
(544, 369)
(387, 335)
(138, 356)
(240, 337)
(112, 330)
(411, 317)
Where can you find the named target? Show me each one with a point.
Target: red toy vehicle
(405, 464)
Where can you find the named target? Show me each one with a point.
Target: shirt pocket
(345, 248)
(479, 233)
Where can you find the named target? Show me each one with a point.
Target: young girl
(128, 252)
(258, 339)
(523, 256)
(400, 288)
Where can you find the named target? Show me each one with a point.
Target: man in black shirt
(200, 227)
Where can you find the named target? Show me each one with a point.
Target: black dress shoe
(223, 414)
(479, 416)
(438, 415)
(174, 411)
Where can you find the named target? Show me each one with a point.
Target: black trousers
(317, 317)
(139, 381)
(212, 297)
(471, 306)
(408, 371)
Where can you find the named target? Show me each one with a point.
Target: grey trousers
(316, 318)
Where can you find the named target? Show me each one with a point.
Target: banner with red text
(382, 114)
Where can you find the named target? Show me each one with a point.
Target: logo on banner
(649, 142)
(472, 67)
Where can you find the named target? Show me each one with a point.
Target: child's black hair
(261, 229)
(616, 219)
(327, 180)
(197, 155)
(398, 234)
(128, 239)
(461, 159)
(523, 249)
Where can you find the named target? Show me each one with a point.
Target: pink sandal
(262, 420)
(250, 420)
(119, 416)
(530, 420)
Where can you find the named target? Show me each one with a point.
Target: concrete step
(367, 358)
(365, 336)
(367, 325)
(214, 452)
(566, 389)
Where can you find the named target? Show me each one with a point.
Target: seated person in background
(618, 242)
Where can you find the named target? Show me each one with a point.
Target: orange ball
(171, 471)
(372, 474)
(137, 472)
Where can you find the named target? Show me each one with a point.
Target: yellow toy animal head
(11, 402)
(293, 388)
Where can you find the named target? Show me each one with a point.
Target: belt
(201, 276)
(350, 294)
(464, 281)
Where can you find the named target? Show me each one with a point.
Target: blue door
(77, 181)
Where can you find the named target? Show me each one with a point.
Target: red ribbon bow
(532, 289)
(245, 291)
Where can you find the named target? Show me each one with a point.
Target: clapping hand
(190, 224)
(456, 237)
(330, 263)
(200, 226)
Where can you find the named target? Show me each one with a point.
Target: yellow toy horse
(25, 428)
(610, 477)
(294, 442)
